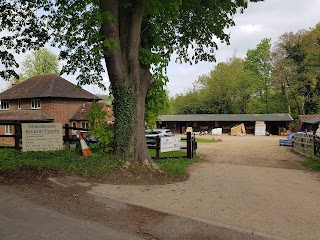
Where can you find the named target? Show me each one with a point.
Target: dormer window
(19, 104)
(35, 104)
(4, 105)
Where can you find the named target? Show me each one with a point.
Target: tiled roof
(82, 113)
(47, 85)
(25, 115)
(314, 120)
(304, 118)
(226, 117)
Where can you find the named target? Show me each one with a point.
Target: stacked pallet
(260, 128)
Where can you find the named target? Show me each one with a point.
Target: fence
(18, 135)
(67, 138)
(306, 144)
(191, 146)
(191, 140)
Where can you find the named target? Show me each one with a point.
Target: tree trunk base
(146, 165)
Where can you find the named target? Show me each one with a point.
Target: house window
(8, 130)
(74, 124)
(4, 105)
(35, 104)
(19, 104)
(84, 125)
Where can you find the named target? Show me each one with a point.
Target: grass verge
(69, 161)
(174, 163)
(204, 140)
(179, 153)
(175, 167)
(314, 164)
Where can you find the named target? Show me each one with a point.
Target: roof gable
(83, 111)
(46, 86)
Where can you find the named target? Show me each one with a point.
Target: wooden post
(157, 147)
(314, 145)
(17, 135)
(67, 135)
(189, 145)
(194, 146)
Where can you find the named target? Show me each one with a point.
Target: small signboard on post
(168, 144)
(41, 136)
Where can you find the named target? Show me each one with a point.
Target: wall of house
(109, 117)
(61, 110)
(7, 141)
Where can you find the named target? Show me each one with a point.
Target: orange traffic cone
(85, 149)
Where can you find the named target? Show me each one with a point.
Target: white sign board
(168, 144)
(41, 136)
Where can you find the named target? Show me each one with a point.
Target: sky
(268, 19)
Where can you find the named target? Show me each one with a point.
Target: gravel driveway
(260, 151)
(247, 182)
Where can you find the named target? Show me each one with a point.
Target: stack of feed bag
(216, 131)
(260, 129)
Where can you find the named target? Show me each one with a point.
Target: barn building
(178, 123)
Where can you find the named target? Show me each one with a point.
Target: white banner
(168, 144)
(41, 136)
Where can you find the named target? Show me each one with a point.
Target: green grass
(69, 161)
(314, 164)
(179, 153)
(175, 167)
(204, 140)
(173, 163)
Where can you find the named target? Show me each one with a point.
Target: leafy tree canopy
(135, 38)
(39, 62)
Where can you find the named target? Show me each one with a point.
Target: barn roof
(285, 117)
(315, 120)
(44, 86)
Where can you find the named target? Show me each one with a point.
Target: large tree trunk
(130, 80)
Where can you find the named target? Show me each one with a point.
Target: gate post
(157, 147)
(189, 145)
(67, 135)
(17, 135)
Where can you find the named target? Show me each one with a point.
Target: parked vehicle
(158, 132)
(152, 134)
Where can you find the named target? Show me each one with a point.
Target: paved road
(21, 219)
(248, 182)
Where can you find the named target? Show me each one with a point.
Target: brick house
(46, 98)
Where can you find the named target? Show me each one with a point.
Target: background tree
(132, 36)
(298, 57)
(226, 89)
(258, 62)
(40, 62)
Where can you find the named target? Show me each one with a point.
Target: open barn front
(273, 123)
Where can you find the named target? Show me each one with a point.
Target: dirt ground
(248, 182)
(260, 151)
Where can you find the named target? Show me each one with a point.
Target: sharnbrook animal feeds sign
(41, 136)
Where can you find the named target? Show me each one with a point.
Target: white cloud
(250, 28)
